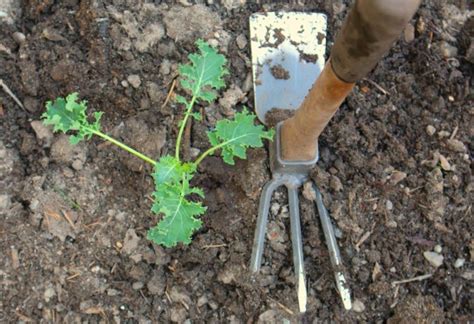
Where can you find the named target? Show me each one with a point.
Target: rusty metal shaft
(367, 34)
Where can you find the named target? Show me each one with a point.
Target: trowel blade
(287, 56)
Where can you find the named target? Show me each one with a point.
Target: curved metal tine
(261, 228)
(333, 248)
(297, 243)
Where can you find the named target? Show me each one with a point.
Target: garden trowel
(290, 73)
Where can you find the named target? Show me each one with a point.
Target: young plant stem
(123, 146)
(183, 125)
(213, 149)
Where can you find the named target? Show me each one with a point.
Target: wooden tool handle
(367, 34)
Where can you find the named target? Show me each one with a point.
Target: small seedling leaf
(70, 115)
(235, 136)
(204, 73)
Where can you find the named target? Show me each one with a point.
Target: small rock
(409, 33)
(113, 292)
(178, 314)
(389, 204)
(459, 262)
(241, 41)
(447, 50)
(470, 53)
(19, 37)
(31, 104)
(435, 259)
(149, 37)
(445, 165)
(134, 80)
(397, 176)
(456, 145)
(391, 224)
(165, 67)
(157, 284)
(49, 293)
(5, 203)
(226, 276)
(275, 208)
(130, 243)
(430, 130)
(63, 151)
(154, 92)
(230, 98)
(358, 306)
(77, 164)
(194, 22)
(137, 285)
(420, 25)
(438, 248)
(468, 275)
(43, 132)
(124, 83)
(335, 184)
(443, 134)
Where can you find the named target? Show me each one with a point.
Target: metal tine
(334, 253)
(297, 243)
(262, 220)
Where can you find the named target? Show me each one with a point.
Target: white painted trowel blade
(288, 51)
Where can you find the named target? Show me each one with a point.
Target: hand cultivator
(287, 56)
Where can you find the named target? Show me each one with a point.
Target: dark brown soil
(279, 72)
(395, 171)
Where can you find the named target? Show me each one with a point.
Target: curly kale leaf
(70, 115)
(233, 137)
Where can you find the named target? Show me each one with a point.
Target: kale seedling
(202, 77)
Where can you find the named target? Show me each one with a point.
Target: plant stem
(183, 125)
(213, 149)
(125, 147)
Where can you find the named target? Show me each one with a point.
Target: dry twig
(11, 94)
(417, 278)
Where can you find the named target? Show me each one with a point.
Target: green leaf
(235, 136)
(70, 115)
(180, 214)
(170, 170)
(205, 72)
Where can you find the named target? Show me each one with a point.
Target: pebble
(154, 92)
(5, 203)
(77, 164)
(468, 275)
(358, 306)
(459, 262)
(124, 83)
(447, 50)
(43, 132)
(275, 208)
(241, 41)
(397, 176)
(19, 37)
(409, 33)
(435, 259)
(430, 130)
(137, 285)
(134, 80)
(456, 145)
(48, 294)
(389, 205)
(438, 248)
(130, 243)
(335, 184)
(165, 67)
